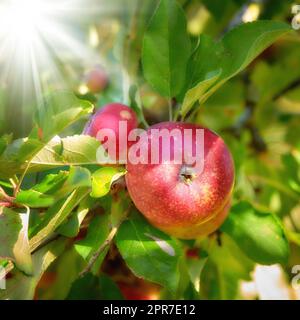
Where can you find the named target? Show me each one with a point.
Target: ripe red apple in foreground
(179, 199)
(97, 80)
(109, 117)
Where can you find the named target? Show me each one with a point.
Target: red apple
(109, 117)
(97, 80)
(182, 200)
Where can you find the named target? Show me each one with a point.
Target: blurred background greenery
(257, 112)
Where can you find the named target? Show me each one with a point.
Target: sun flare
(39, 38)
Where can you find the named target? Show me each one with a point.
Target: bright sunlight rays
(38, 37)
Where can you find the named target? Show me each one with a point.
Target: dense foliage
(68, 229)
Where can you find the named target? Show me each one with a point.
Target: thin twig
(101, 249)
(104, 245)
(14, 181)
(177, 115)
(170, 110)
(295, 84)
(18, 186)
(140, 105)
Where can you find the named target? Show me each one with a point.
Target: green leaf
(195, 267)
(42, 194)
(260, 235)
(109, 290)
(236, 50)
(71, 227)
(119, 208)
(59, 111)
(56, 215)
(14, 238)
(85, 288)
(226, 266)
(198, 92)
(78, 177)
(166, 49)
(203, 70)
(91, 287)
(245, 42)
(98, 232)
(67, 268)
(149, 253)
(204, 60)
(22, 287)
(103, 179)
(75, 150)
(54, 187)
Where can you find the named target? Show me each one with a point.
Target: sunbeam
(48, 45)
(40, 42)
(39, 35)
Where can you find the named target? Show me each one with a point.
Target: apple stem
(170, 110)
(5, 197)
(101, 249)
(187, 174)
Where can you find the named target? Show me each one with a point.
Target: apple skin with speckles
(109, 117)
(186, 209)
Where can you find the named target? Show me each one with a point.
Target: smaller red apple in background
(109, 117)
(184, 203)
(97, 80)
(192, 253)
